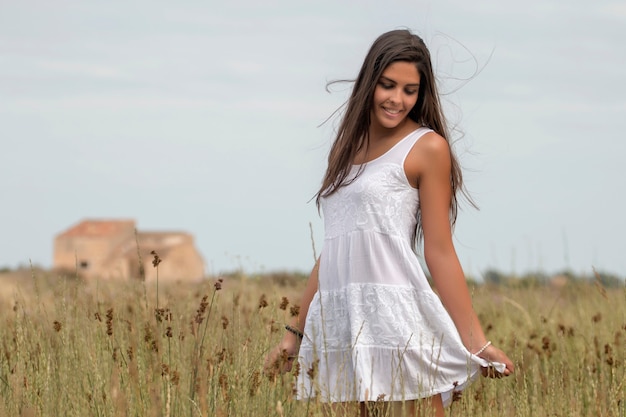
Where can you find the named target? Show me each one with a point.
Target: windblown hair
(353, 132)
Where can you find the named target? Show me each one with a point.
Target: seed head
(296, 369)
(147, 333)
(202, 309)
(312, 371)
(156, 260)
(174, 377)
(456, 396)
(221, 355)
(109, 322)
(162, 314)
(223, 381)
(254, 383)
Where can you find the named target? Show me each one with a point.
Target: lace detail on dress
(367, 204)
(384, 316)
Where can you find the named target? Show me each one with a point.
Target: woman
(374, 328)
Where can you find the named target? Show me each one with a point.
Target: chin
(391, 124)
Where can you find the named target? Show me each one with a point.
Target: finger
(492, 372)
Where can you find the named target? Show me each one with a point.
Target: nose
(395, 95)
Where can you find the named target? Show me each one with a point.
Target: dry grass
(104, 349)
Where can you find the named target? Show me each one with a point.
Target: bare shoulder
(431, 152)
(432, 145)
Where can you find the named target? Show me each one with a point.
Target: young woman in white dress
(370, 326)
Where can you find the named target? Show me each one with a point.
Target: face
(395, 95)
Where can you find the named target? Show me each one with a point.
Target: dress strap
(402, 149)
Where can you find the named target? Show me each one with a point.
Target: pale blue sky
(203, 116)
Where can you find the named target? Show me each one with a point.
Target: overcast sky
(205, 116)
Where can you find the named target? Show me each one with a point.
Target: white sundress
(375, 330)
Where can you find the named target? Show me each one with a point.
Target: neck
(381, 133)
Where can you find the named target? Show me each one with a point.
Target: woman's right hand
(280, 358)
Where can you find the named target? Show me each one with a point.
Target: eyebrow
(395, 82)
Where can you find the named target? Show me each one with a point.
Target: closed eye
(387, 85)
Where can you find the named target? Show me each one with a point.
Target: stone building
(111, 249)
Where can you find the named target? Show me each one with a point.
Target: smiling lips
(392, 112)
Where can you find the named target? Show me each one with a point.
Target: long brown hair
(353, 132)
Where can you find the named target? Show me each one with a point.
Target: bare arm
(443, 264)
(290, 343)
(434, 166)
(307, 296)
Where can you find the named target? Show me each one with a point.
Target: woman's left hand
(493, 354)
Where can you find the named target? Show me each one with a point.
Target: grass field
(73, 348)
